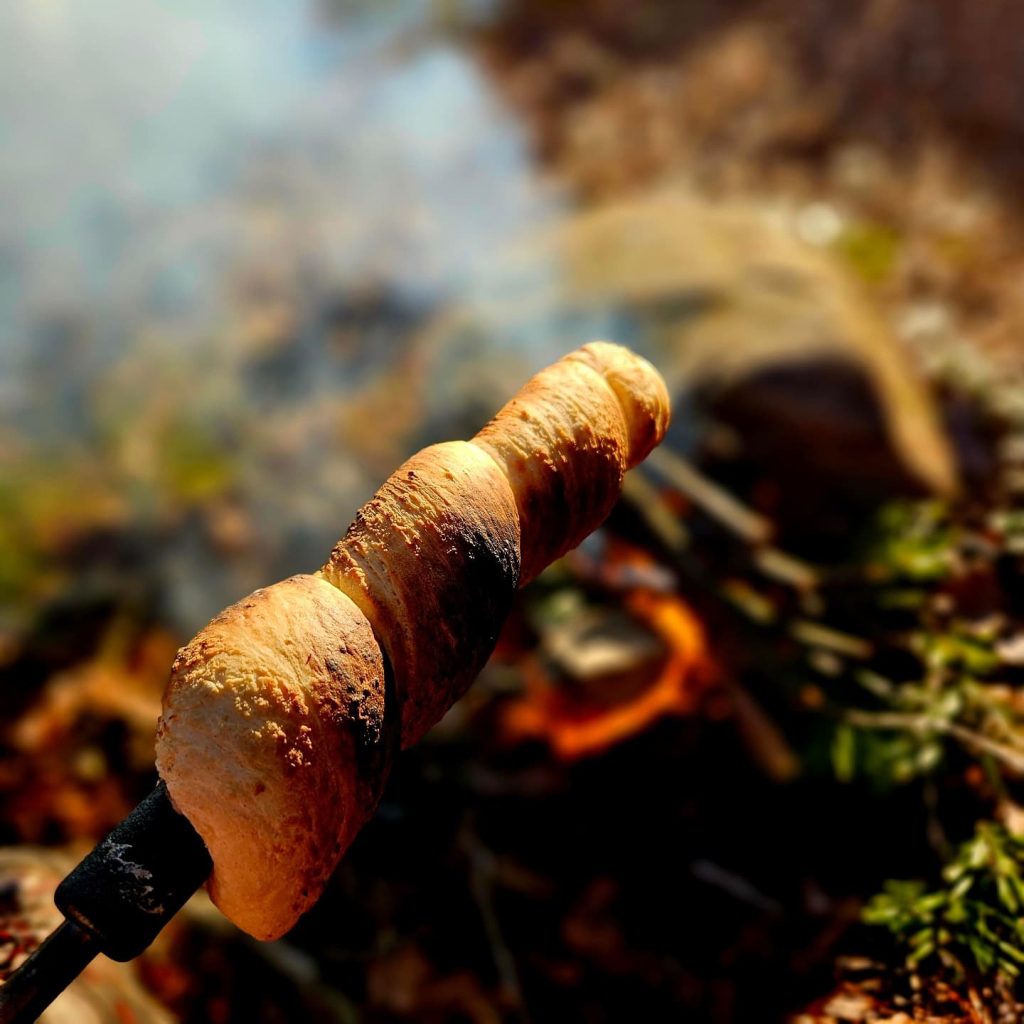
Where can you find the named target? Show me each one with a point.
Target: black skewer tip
(115, 901)
(49, 969)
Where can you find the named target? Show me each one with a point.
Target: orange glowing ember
(575, 729)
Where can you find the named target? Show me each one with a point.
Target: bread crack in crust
(279, 720)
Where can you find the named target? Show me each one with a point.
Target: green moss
(911, 542)
(870, 250)
(194, 465)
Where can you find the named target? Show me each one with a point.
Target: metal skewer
(115, 902)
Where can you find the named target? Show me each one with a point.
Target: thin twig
(655, 512)
(481, 883)
(715, 500)
(816, 634)
(728, 511)
(1012, 759)
(783, 567)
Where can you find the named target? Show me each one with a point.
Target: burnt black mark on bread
(435, 558)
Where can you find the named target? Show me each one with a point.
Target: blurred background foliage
(754, 751)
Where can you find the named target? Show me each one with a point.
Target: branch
(1010, 758)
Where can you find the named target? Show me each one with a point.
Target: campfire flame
(575, 729)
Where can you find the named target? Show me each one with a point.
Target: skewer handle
(46, 973)
(137, 879)
(115, 901)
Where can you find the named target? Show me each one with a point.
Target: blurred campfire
(623, 673)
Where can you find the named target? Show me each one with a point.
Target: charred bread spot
(273, 744)
(562, 443)
(434, 565)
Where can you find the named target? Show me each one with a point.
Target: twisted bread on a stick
(278, 726)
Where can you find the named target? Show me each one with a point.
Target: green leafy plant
(975, 920)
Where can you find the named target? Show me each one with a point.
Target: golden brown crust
(567, 438)
(433, 561)
(274, 744)
(278, 724)
(562, 444)
(640, 390)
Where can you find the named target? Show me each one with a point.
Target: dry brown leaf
(724, 291)
(751, 296)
